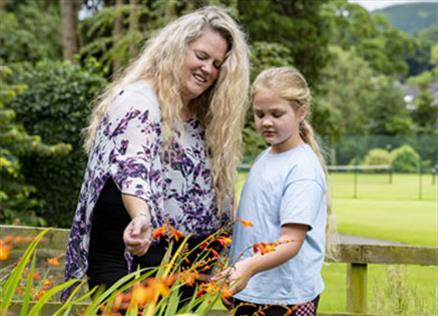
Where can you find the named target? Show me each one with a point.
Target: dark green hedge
(56, 106)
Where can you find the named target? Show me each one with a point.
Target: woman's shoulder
(138, 95)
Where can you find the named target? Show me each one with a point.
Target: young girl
(284, 197)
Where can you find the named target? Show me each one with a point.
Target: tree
(297, 25)
(372, 36)
(69, 27)
(425, 114)
(30, 32)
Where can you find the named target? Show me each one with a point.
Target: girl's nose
(267, 122)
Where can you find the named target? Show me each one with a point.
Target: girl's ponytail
(308, 136)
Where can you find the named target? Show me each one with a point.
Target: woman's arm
(137, 235)
(290, 241)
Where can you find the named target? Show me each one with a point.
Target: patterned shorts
(244, 308)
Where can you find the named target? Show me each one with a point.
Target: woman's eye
(201, 56)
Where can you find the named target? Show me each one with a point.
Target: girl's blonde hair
(289, 84)
(220, 109)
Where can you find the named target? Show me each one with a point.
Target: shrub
(56, 107)
(17, 204)
(378, 156)
(405, 159)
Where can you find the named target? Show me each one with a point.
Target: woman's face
(203, 60)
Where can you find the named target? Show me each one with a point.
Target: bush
(17, 203)
(56, 107)
(378, 156)
(405, 159)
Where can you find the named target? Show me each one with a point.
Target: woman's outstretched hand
(137, 235)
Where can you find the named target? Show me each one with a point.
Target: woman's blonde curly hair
(220, 109)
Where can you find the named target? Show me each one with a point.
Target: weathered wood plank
(55, 237)
(349, 253)
(384, 254)
(357, 288)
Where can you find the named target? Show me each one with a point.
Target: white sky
(371, 5)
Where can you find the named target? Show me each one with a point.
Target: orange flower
(19, 239)
(189, 277)
(215, 253)
(160, 286)
(9, 239)
(53, 261)
(38, 294)
(36, 276)
(211, 288)
(47, 284)
(142, 295)
(246, 223)
(224, 241)
(226, 293)
(264, 248)
(5, 251)
(175, 233)
(158, 232)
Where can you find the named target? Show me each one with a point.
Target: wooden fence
(356, 256)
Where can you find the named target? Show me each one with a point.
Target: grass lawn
(389, 211)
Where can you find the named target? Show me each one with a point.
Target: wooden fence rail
(357, 256)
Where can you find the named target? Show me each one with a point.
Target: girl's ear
(302, 112)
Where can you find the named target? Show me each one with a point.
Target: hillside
(411, 17)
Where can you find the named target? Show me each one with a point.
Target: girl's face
(203, 60)
(277, 121)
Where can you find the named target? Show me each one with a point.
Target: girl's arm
(290, 241)
(137, 235)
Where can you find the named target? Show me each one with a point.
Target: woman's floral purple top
(127, 148)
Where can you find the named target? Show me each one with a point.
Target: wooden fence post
(357, 288)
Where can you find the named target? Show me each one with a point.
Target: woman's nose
(206, 68)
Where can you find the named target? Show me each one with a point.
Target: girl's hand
(237, 276)
(137, 235)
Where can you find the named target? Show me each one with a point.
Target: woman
(162, 147)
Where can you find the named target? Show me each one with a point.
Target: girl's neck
(288, 144)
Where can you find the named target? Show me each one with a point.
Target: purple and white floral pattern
(127, 148)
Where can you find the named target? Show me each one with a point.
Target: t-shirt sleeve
(301, 202)
(135, 164)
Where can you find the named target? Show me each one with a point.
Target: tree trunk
(117, 34)
(133, 26)
(69, 17)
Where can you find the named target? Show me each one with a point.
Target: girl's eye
(258, 114)
(217, 65)
(277, 114)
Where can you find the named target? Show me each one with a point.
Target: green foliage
(378, 156)
(297, 25)
(56, 106)
(265, 55)
(30, 31)
(405, 159)
(16, 195)
(373, 37)
(388, 114)
(349, 90)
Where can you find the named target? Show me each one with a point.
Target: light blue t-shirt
(289, 187)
